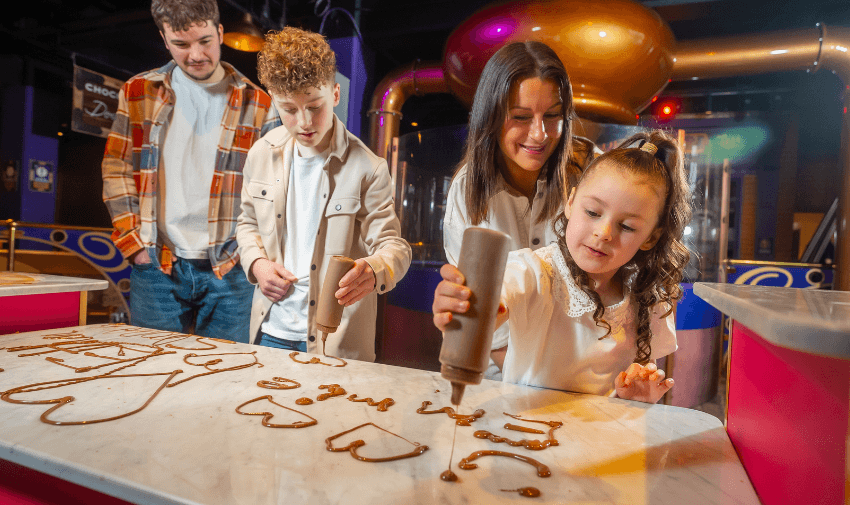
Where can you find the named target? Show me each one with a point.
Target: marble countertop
(810, 320)
(52, 284)
(189, 445)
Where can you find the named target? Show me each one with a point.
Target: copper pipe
(417, 78)
(809, 49)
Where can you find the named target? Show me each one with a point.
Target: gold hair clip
(649, 147)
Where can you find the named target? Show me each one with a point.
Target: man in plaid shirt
(172, 178)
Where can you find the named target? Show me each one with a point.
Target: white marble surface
(190, 446)
(52, 284)
(810, 320)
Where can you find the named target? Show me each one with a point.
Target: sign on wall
(95, 102)
(41, 176)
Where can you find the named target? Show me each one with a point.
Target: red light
(666, 110)
(654, 98)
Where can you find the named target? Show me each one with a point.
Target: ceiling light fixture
(244, 36)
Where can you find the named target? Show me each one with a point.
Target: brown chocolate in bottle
(466, 342)
(329, 311)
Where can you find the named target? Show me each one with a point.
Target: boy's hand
(274, 280)
(642, 383)
(356, 283)
(451, 296)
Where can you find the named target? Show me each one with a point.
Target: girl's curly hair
(293, 60)
(658, 271)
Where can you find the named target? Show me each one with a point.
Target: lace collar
(565, 287)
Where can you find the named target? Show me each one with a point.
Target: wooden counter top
(189, 445)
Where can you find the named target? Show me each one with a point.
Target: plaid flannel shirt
(132, 156)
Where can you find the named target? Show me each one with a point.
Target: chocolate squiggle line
(333, 390)
(532, 445)
(466, 463)
(316, 361)
(269, 415)
(279, 383)
(206, 365)
(528, 492)
(67, 399)
(382, 405)
(462, 419)
(352, 447)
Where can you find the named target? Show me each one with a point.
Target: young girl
(520, 153)
(592, 312)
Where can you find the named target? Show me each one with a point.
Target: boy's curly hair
(181, 14)
(659, 270)
(293, 60)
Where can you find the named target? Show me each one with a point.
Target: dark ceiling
(119, 37)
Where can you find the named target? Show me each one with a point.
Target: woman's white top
(508, 212)
(554, 342)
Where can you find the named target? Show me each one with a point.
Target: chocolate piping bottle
(465, 353)
(329, 311)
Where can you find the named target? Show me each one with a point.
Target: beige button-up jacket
(358, 221)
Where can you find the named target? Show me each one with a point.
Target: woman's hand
(642, 383)
(356, 283)
(451, 296)
(274, 280)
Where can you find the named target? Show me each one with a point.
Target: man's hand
(274, 280)
(642, 383)
(356, 283)
(141, 258)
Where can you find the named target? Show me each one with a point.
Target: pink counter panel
(788, 389)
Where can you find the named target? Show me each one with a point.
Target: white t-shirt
(288, 317)
(188, 164)
(554, 342)
(508, 212)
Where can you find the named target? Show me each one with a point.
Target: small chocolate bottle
(466, 342)
(329, 311)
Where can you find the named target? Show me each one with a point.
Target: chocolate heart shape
(5, 396)
(269, 415)
(352, 447)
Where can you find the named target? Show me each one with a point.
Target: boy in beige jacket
(312, 190)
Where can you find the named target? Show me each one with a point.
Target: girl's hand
(642, 383)
(273, 279)
(356, 283)
(451, 296)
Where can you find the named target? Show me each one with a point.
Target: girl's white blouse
(554, 342)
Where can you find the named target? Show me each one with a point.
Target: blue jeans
(192, 299)
(281, 343)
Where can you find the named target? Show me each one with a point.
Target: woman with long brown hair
(520, 156)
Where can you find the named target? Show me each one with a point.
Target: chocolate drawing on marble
(382, 405)
(5, 396)
(333, 390)
(532, 445)
(462, 419)
(315, 360)
(467, 462)
(268, 415)
(279, 383)
(352, 447)
(528, 492)
(212, 371)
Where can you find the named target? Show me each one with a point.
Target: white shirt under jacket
(554, 342)
(356, 219)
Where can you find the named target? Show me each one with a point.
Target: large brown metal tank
(618, 53)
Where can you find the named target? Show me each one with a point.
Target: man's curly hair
(181, 14)
(293, 60)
